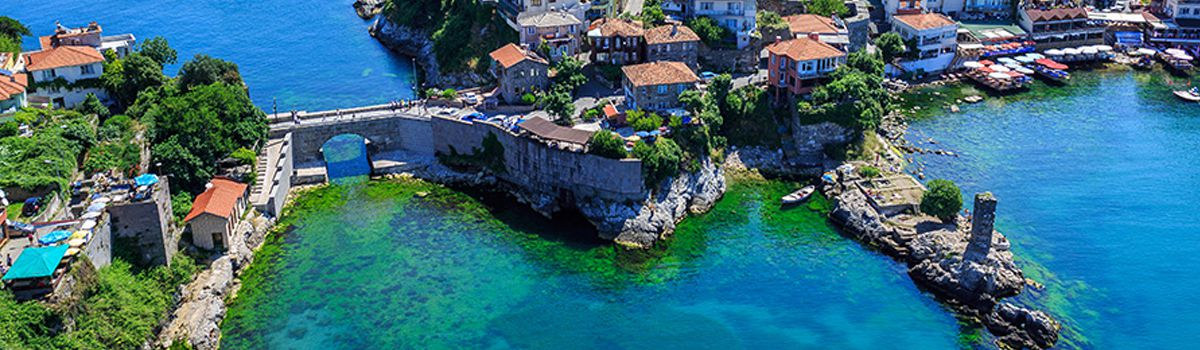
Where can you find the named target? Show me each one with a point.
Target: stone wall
(536, 167)
(385, 133)
(99, 247)
(148, 223)
(282, 182)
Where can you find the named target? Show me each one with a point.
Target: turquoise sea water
(306, 55)
(1097, 189)
(380, 266)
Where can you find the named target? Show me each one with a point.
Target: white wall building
(66, 74)
(1182, 9)
(513, 9)
(936, 40)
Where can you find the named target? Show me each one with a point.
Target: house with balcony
(91, 36)
(656, 86)
(616, 41)
(1061, 27)
(66, 74)
(1179, 25)
(673, 42)
(513, 10)
(798, 65)
(738, 16)
(829, 30)
(519, 71)
(556, 31)
(935, 37)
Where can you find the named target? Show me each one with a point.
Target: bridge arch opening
(346, 157)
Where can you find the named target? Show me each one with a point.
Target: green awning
(36, 262)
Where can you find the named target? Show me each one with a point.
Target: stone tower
(982, 225)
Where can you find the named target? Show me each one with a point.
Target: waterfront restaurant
(1061, 27)
(37, 271)
(556, 136)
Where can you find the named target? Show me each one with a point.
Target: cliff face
(639, 224)
(417, 44)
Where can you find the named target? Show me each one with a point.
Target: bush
(642, 121)
(119, 127)
(607, 144)
(768, 20)
(9, 128)
(828, 8)
(181, 205)
(92, 105)
(528, 99)
(943, 200)
(449, 94)
(709, 31)
(244, 156)
(869, 172)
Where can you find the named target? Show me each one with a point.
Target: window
(49, 74)
(731, 24)
(734, 6)
(86, 69)
(662, 89)
(707, 6)
(531, 31)
(535, 3)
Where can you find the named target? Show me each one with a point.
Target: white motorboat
(800, 195)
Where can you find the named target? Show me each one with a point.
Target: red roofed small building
(519, 71)
(829, 30)
(76, 68)
(12, 89)
(656, 86)
(216, 212)
(797, 66)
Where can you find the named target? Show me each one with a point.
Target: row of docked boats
(1081, 54)
(1008, 73)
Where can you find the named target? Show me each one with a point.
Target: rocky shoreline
(965, 264)
(417, 44)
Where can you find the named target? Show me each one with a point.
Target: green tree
(13, 29)
(890, 45)
(719, 88)
(181, 205)
(642, 121)
(607, 144)
(652, 13)
(159, 50)
(92, 105)
(770, 20)
(9, 128)
(852, 97)
(569, 74)
(709, 31)
(204, 70)
(660, 160)
(943, 200)
(127, 77)
(559, 105)
(828, 8)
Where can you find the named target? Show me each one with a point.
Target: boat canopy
(999, 76)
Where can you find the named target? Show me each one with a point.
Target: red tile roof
(810, 23)
(62, 56)
(923, 21)
(1057, 14)
(804, 49)
(219, 199)
(511, 54)
(13, 85)
(617, 27)
(659, 73)
(666, 34)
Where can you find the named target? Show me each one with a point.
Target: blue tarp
(1128, 38)
(54, 236)
(146, 179)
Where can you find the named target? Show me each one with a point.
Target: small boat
(1143, 63)
(1192, 95)
(799, 196)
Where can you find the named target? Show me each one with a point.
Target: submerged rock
(1019, 327)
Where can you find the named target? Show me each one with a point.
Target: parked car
(33, 205)
(707, 76)
(471, 98)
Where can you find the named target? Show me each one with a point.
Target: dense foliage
(559, 104)
(890, 45)
(749, 117)
(124, 78)
(47, 159)
(854, 97)
(11, 32)
(640, 120)
(943, 200)
(660, 160)
(770, 21)
(92, 105)
(828, 8)
(569, 74)
(710, 32)
(116, 148)
(205, 70)
(652, 13)
(159, 50)
(463, 31)
(607, 144)
(119, 312)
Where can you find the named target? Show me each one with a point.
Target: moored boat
(1050, 70)
(799, 196)
(1192, 95)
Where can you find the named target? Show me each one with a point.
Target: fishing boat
(1051, 70)
(1177, 60)
(1191, 95)
(799, 196)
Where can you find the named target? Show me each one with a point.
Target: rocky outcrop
(368, 8)
(417, 44)
(812, 139)
(639, 224)
(971, 269)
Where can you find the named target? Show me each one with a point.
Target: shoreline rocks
(970, 269)
(417, 44)
(368, 8)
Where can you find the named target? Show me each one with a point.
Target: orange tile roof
(610, 111)
(923, 21)
(617, 27)
(810, 23)
(666, 34)
(13, 85)
(659, 73)
(62, 56)
(804, 49)
(219, 199)
(1057, 14)
(511, 54)
(46, 41)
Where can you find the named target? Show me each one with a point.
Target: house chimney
(814, 36)
(674, 29)
(778, 38)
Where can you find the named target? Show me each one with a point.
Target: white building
(514, 9)
(1182, 9)
(936, 40)
(66, 74)
(737, 16)
(995, 8)
(92, 36)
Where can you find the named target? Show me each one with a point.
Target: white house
(216, 212)
(514, 9)
(66, 74)
(12, 83)
(935, 36)
(92, 36)
(734, 15)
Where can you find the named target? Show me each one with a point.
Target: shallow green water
(379, 266)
